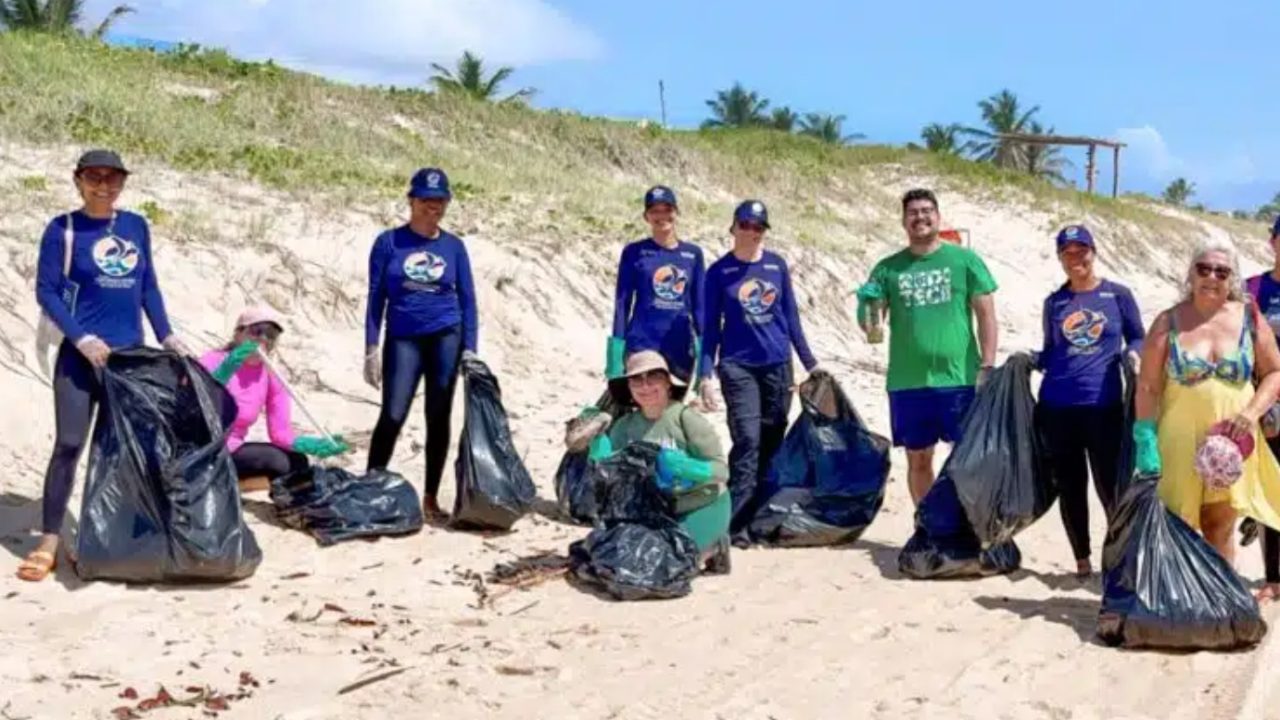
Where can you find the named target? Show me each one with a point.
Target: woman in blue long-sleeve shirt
(752, 323)
(1089, 323)
(97, 303)
(420, 279)
(658, 303)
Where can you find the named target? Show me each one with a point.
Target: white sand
(789, 634)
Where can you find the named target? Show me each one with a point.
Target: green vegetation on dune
(203, 110)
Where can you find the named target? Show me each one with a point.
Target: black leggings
(1080, 439)
(405, 361)
(758, 400)
(257, 459)
(1271, 538)
(76, 390)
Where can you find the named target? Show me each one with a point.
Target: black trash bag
(827, 481)
(575, 489)
(334, 505)
(494, 487)
(1001, 466)
(1165, 587)
(161, 502)
(944, 544)
(637, 550)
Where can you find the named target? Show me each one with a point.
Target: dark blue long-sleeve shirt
(1084, 336)
(423, 285)
(658, 303)
(112, 280)
(751, 315)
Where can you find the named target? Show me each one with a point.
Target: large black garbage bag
(637, 550)
(575, 489)
(1165, 587)
(161, 502)
(494, 487)
(827, 481)
(1001, 466)
(334, 505)
(944, 544)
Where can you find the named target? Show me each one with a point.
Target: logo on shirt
(928, 287)
(757, 296)
(1083, 328)
(115, 256)
(669, 282)
(424, 267)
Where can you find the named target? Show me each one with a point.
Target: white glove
(707, 394)
(1136, 358)
(175, 345)
(469, 355)
(373, 367)
(94, 350)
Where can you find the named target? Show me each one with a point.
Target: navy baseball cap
(1078, 234)
(102, 159)
(430, 184)
(751, 211)
(660, 194)
(1275, 229)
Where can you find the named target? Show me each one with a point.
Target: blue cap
(1078, 234)
(1275, 229)
(660, 194)
(751, 211)
(430, 184)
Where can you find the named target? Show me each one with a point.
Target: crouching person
(691, 465)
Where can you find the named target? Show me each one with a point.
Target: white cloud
(377, 41)
(1148, 154)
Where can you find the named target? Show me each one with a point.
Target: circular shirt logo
(669, 282)
(115, 256)
(424, 267)
(1083, 328)
(757, 296)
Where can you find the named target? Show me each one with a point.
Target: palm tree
(827, 128)
(1044, 161)
(941, 138)
(1268, 212)
(1001, 113)
(784, 119)
(54, 16)
(736, 107)
(1179, 192)
(468, 78)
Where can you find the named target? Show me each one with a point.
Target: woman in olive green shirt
(691, 462)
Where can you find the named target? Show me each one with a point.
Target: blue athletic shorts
(922, 417)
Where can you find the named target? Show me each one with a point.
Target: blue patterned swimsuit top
(1236, 369)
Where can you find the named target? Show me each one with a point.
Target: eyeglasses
(749, 226)
(110, 179)
(1204, 270)
(263, 331)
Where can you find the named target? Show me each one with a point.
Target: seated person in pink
(239, 367)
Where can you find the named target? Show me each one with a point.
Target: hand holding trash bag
(1146, 448)
(321, 447)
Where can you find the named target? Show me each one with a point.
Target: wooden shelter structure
(1091, 143)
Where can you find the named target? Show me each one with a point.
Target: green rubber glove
(232, 362)
(868, 292)
(1146, 449)
(615, 353)
(601, 447)
(678, 471)
(696, 381)
(319, 446)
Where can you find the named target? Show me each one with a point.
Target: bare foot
(431, 512)
(1268, 593)
(1084, 568)
(41, 561)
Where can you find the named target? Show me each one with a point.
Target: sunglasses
(647, 378)
(110, 179)
(750, 226)
(263, 331)
(1204, 270)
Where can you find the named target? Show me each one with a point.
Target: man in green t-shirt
(931, 291)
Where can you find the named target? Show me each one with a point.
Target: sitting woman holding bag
(691, 466)
(240, 368)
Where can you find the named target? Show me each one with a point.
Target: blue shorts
(922, 417)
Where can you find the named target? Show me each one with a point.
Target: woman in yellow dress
(1198, 368)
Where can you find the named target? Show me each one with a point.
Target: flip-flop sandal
(34, 568)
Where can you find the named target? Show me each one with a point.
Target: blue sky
(1190, 85)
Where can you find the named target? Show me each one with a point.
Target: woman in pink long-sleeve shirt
(256, 388)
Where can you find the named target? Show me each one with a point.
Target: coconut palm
(784, 119)
(827, 128)
(736, 107)
(1001, 113)
(54, 16)
(468, 78)
(1044, 161)
(1179, 192)
(943, 139)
